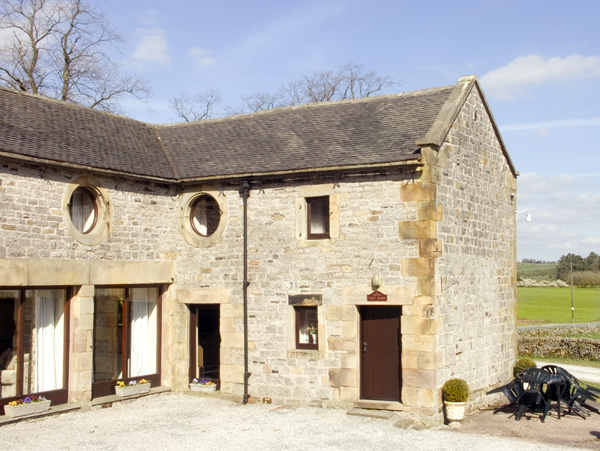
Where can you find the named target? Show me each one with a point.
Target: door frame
(193, 338)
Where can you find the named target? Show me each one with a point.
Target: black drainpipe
(245, 193)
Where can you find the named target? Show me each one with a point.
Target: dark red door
(380, 352)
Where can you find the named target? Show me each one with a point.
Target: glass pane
(83, 210)
(49, 340)
(144, 335)
(108, 334)
(307, 325)
(205, 215)
(9, 301)
(319, 215)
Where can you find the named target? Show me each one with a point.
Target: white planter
(132, 390)
(455, 412)
(26, 409)
(203, 388)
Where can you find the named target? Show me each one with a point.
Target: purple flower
(132, 383)
(27, 400)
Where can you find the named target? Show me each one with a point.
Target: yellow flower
(120, 384)
(143, 381)
(12, 403)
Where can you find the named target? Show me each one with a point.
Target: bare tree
(59, 48)
(350, 81)
(198, 107)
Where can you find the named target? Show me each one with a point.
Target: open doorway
(205, 342)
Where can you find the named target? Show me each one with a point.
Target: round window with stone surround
(205, 215)
(202, 216)
(83, 210)
(86, 210)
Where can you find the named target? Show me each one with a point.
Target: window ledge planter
(132, 390)
(30, 408)
(203, 388)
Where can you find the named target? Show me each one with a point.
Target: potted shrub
(455, 394)
(203, 385)
(522, 365)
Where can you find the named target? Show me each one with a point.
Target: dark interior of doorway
(205, 340)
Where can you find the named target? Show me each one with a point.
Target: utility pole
(572, 305)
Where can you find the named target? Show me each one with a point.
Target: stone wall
(477, 271)
(282, 264)
(577, 348)
(32, 223)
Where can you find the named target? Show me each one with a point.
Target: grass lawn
(553, 305)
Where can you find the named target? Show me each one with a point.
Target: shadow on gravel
(571, 430)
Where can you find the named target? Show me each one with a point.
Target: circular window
(202, 217)
(205, 215)
(87, 210)
(83, 210)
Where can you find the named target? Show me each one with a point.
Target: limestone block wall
(282, 264)
(36, 249)
(32, 224)
(477, 276)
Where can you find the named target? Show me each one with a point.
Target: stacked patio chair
(574, 393)
(533, 395)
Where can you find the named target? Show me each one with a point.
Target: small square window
(307, 328)
(318, 218)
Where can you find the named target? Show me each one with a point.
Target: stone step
(380, 414)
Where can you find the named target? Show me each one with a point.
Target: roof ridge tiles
(311, 105)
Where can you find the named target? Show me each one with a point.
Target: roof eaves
(307, 171)
(63, 164)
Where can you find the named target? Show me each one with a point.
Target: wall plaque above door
(377, 296)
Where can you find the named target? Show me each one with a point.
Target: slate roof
(341, 134)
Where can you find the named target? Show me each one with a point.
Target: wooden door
(380, 353)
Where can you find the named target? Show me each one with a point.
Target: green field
(537, 271)
(553, 305)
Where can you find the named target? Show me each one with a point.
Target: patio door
(205, 342)
(380, 353)
(126, 337)
(34, 331)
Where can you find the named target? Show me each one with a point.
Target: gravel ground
(184, 421)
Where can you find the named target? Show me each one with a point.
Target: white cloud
(202, 57)
(152, 47)
(546, 125)
(288, 29)
(565, 212)
(525, 72)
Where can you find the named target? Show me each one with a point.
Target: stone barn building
(353, 253)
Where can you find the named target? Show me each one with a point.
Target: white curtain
(49, 339)
(143, 331)
(200, 216)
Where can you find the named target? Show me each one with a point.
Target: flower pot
(203, 388)
(26, 409)
(132, 390)
(455, 412)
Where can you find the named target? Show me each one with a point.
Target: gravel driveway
(175, 421)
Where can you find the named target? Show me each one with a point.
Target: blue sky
(538, 63)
